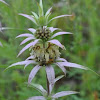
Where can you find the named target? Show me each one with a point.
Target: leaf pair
(44, 93)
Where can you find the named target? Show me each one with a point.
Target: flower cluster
(47, 55)
(44, 51)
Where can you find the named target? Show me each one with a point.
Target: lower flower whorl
(45, 54)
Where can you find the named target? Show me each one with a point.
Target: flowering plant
(44, 52)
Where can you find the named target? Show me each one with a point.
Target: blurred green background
(83, 47)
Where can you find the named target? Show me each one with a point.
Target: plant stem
(48, 91)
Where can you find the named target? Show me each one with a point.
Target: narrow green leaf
(40, 6)
(38, 87)
(35, 15)
(58, 78)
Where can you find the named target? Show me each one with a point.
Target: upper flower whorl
(42, 33)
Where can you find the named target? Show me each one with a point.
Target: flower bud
(43, 34)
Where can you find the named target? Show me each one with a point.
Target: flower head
(45, 55)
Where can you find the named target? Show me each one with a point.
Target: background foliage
(83, 47)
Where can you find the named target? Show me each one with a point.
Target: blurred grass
(83, 47)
